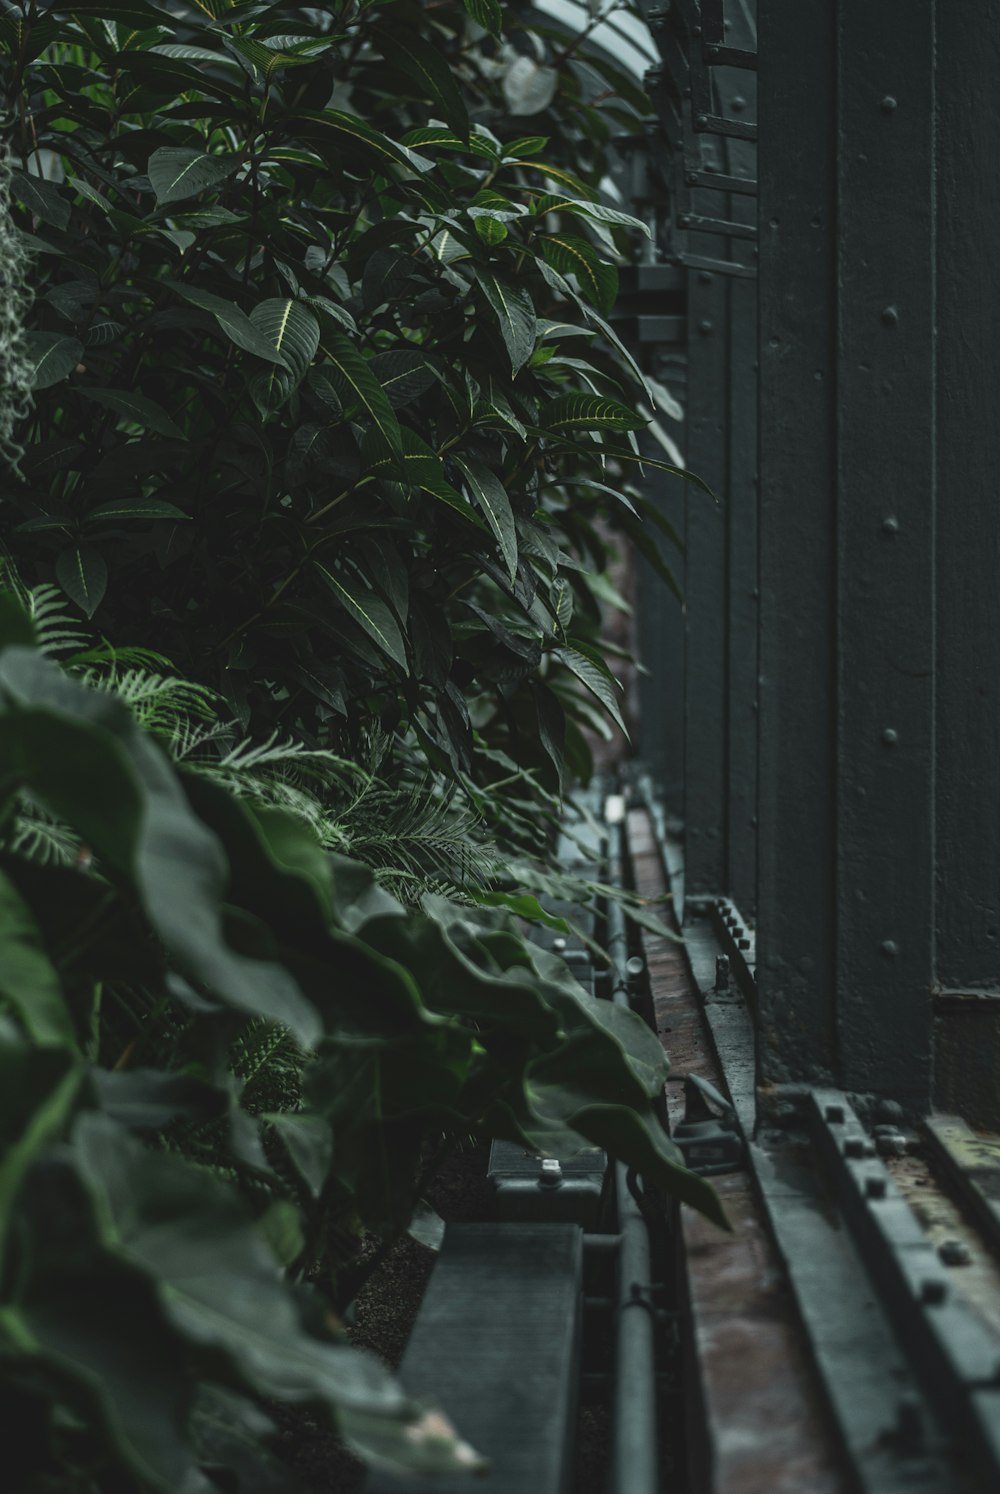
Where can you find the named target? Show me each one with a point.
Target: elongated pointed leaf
(353, 376)
(134, 508)
(234, 322)
(370, 612)
(136, 408)
(487, 13)
(81, 753)
(52, 357)
(597, 279)
(403, 375)
(490, 494)
(290, 330)
(176, 173)
(28, 981)
(418, 60)
(339, 131)
(438, 138)
(596, 682)
(589, 412)
(82, 572)
(515, 316)
(593, 210)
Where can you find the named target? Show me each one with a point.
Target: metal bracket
(710, 1143)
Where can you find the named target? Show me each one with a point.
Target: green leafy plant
(155, 1196)
(327, 404)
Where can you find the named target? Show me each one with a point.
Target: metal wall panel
(968, 528)
(796, 941)
(885, 544)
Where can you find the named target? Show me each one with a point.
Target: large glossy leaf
(597, 279)
(339, 131)
(159, 1212)
(52, 356)
(595, 679)
(488, 14)
(403, 375)
(80, 752)
(353, 376)
(28, 983)
(369, 611)
(419, 61)
(235, 323)
(490, 494)
(177, 173)
(515, 316)
(138, 409)
(589, 412)
(82, 572)
(89, 1326)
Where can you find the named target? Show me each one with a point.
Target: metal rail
(635, 1451)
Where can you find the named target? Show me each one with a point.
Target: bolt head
(955, 1253)
(888, 104)
(933, 1291)
(701, 121)
(889, 948)
(890, 737)
(875, 1187)
(890, 316)
(890, 525)
(834, 1114)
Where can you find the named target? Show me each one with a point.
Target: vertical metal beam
(797, 637)
(705, 572)
(741, 496)
(885, 545)
(737, 91)
(968, 533)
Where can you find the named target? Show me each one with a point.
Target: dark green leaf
(370, 612)
(82, 572)
(237, 326)
(490, 494)
(589, 412)
(177, 173)
(595, 680)
(136, 409)
(357, 383)
(486, 13)
(515, 316)
(28, 982)
(135, 508)
(52, 356)
(424, 64)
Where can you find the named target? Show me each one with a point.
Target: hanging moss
(15, 299)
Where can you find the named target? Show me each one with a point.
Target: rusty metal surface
(763, 1427)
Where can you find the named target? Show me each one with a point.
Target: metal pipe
(635, 1448)
(634, 1456)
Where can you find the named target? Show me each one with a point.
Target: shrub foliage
(328, 410)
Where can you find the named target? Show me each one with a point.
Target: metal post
(797, 637)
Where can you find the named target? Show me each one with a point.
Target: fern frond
(159, 703)
(39, 836)
(56, 631)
